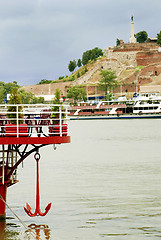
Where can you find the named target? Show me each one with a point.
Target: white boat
(146, 105)
(147, 96)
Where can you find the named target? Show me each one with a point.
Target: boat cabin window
(145, 108)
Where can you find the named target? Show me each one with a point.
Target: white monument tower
(132, 38)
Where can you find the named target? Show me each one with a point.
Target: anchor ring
(37, 156)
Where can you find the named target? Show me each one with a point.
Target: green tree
(91, 55)
(26, 97)
(117, 42)
(79, 63)
(109, 96)
(98, 52)
(57, 97)
(55, 109)
(2, 94)
(141, 37)
(45, 81)
(72, 65)
(9, 86)
(107, 81)
(77, 93)
(29, 98)
(159, 38)
(40, 100)
(15, 98)
(78, 74)
(61, 77)
(6, 88)
(34, 100)
(85, 58)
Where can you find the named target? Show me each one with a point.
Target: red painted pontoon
(23, 133)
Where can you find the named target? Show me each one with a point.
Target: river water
(105, 184)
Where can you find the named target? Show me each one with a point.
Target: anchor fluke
(28, 211)
(28, 208)
(37, 210)
(46, 210)
(48, 207)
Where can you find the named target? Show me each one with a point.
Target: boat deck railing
(33, 120)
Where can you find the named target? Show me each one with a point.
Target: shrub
(61, 77)
(78, 74)
(15, 98)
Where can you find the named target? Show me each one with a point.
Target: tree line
(107, 82)
(76, 93)
(26, 97)
(142, 37)
(86, 57)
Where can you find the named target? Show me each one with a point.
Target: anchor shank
(37, 187)
(37, 210)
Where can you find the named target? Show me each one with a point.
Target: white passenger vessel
(145, 105)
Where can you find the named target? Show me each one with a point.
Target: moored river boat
(144, 106)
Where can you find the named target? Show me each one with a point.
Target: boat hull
(123, 116)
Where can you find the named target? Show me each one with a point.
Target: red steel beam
(34, 140)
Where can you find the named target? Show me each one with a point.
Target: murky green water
(106, 184)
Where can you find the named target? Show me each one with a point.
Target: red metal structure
(26, 133)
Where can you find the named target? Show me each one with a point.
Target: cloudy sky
(38, 38)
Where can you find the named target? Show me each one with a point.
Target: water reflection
(2, 229)
(113, 192)
(39, 231)
(11, 231)
(8, 230)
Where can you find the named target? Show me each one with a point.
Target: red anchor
(37, 210)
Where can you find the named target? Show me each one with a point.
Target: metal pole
(60, 120)
(121, 89)
(87, 92)
(17, 120)
(3, 159)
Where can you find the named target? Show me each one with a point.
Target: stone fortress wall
(134, 54)
(121, 58)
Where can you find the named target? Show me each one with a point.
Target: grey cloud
(38, 38)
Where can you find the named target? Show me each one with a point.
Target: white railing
(33, 120)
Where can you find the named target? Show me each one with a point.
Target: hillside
(136, 65)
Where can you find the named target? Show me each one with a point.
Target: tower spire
(132, 37)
